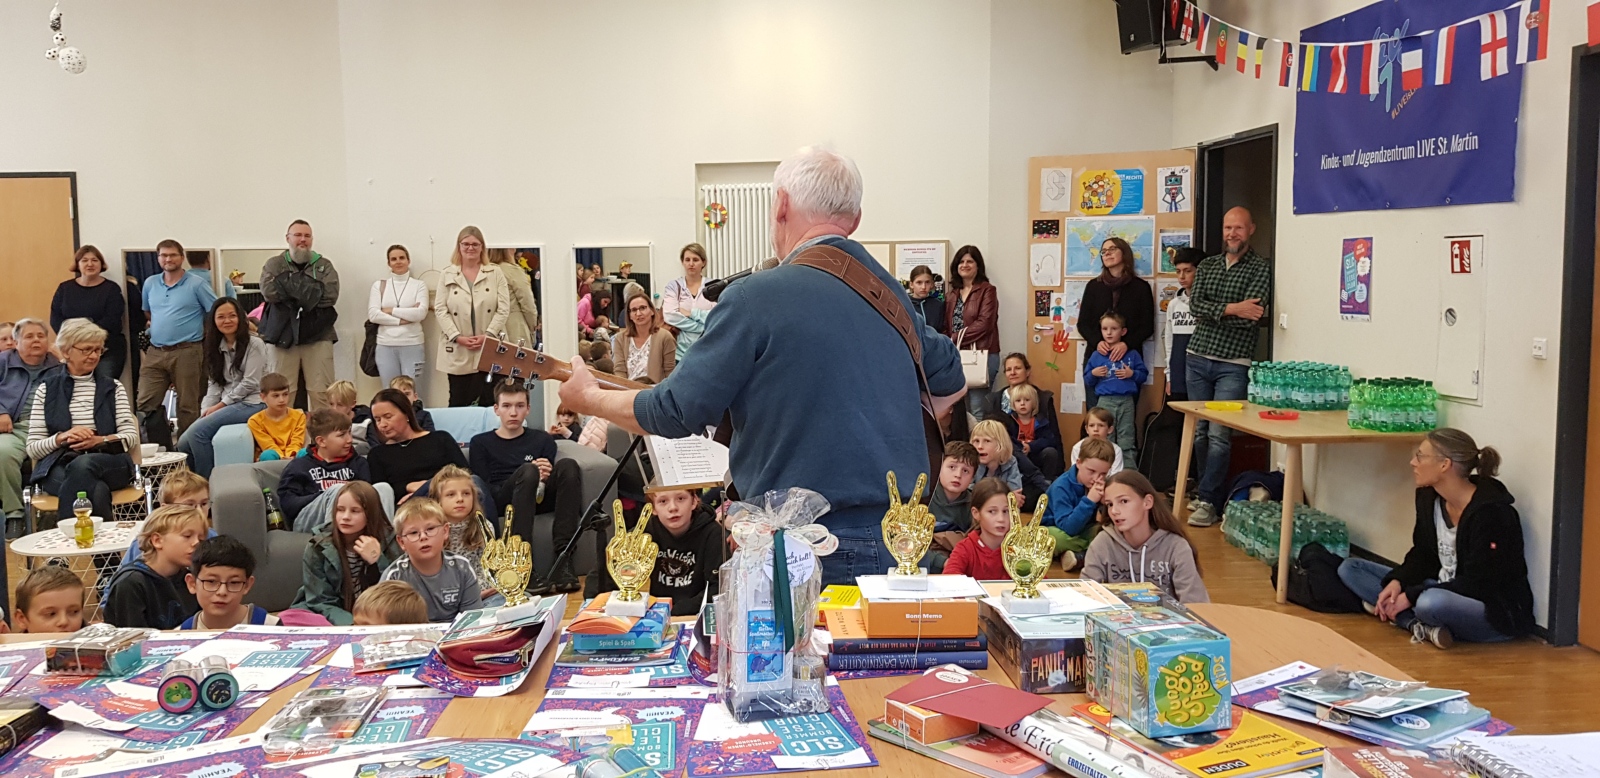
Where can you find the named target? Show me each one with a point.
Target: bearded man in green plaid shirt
(1229, 299)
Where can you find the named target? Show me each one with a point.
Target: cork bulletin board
(1074, 202)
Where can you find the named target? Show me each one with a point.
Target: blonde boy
(152, 592)
(446, 581)
(390, 602)
(50, 599)
(181, 487)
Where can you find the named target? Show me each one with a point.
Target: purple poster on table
(1355, 280)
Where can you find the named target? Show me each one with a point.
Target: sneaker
(563, 580)
(1438, 636)
(1372, 610)
(540, 587)
(16, 527)
(1204, 516)
(1069, 561)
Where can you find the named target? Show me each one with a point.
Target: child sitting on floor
(568, 426)
(691, 544)
(153, 592)
(348, 557)
(279, 431)
(446, 581)
(1075, 498)
(181, 487)
(50, 599)
(457, 495)
(978, 554)
(1099, 423)
(1038, 437)
(331, 460)
(390, 602)
(948, 502)
(997, 458)
(1142, 526)
(221, 573)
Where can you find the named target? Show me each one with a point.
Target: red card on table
(969, 697)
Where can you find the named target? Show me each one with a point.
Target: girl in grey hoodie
(1144, 543)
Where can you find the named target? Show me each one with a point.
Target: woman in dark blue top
(90, 295)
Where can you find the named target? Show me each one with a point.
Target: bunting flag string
(1425, 58)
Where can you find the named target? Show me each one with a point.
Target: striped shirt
(40, 444)
(1216, 285)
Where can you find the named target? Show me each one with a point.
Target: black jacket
(1490, 566)
(139, 597)
(932, 310)
(1133, 300)
(993, 410)
(686, 567)
(305, 478)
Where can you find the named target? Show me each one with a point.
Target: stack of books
(1410, 714)
(852, 649)
(597, 640)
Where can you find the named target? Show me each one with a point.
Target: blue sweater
(1070, 509)
(821, 390)
(1111, 385)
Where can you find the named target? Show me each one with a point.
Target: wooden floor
(1539, 689)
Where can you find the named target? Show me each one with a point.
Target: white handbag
(974, 363)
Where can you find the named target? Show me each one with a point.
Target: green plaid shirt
(1215, 286)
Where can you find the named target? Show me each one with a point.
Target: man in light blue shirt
(177, 303)
(200, 267)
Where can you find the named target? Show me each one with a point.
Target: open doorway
(1240, 170)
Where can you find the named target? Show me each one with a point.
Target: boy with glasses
(221, 572)
(446, 581)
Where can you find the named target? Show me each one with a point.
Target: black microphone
(715, 288)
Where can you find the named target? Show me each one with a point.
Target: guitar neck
(506, 359)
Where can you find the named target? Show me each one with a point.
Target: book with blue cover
(971, 660)
(1417, 728)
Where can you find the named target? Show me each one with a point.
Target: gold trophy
(1026, 552)
(631, 558)
(907, 531)
(509, 561)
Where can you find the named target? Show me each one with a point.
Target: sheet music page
(1571, 756)
(691, 460)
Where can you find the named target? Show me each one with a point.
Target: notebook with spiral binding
(1531, 756)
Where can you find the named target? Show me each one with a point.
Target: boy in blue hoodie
(1116, 383)
(331, 460)
(1075, 498)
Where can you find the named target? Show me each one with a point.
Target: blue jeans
(861, 552)
(978, 396)
(1465, 617)
(1208, 379)
(196, 441)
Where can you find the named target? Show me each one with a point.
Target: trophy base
(636, 609)
(1035, 606)
(909, 583)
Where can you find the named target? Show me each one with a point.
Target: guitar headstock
(502, 359)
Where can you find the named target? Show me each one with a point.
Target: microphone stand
(594, 517)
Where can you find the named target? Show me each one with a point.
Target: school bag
(1314, 582)
(1163, 440)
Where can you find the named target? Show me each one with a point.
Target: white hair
(29, 321)
(75, 332)
(820, 183)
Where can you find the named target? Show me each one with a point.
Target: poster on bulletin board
(1355, 280)
(1118, 192)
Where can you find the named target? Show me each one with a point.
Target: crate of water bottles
(1393, 405)
(1303, 386)
(1256, 527)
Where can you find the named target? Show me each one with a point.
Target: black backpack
(1163, 440)
(1314, 582)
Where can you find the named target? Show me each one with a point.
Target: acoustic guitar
(500, 358)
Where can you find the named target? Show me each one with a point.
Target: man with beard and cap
(301, 288)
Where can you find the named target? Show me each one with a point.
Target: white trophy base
(1036, 606)
(909, 583)
(616, 606)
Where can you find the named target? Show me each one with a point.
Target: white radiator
(745, 238)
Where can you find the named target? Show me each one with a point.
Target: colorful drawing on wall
(1111, 192)
(1071, 301)
(1055, 189)
(1166, 292)
(1041, 302)
(1084, 237)
(1058, 307)
(1355, 280)
(1171, 241)
(1176, 187)
(1046, 229)
(1044, 264)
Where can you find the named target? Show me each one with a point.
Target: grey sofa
(238, 508)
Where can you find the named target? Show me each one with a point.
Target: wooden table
(1312, 428)
(1262, 641)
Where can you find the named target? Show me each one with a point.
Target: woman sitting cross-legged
(1465, 577)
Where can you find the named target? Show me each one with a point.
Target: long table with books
(1262, 640)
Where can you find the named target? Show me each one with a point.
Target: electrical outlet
(1540, 348)
(1283, 321)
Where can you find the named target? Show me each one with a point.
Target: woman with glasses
(90, 295)
(1465, 577)
(643, 349)
(234, 362)
(21, 370)
(1119, 289)
(82, 426)
(473, 303)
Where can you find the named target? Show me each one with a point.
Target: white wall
(1524, 254)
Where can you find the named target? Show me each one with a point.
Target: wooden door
(37, 239)
(1589, 589)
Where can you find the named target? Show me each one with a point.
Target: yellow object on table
(1221, 405)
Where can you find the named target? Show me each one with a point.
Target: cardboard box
(921, 618)
(1041, 665)
(1159, 671)
(925, 726)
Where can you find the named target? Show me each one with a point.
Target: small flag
(1222, 41)
(1244, 50)
(1411, 62)
(1261, 46)
(1286, 64)
(1369, 67)
(1493, 41)
(1174, 7)
(1444, 55)
(1188, 23)
(1594, 23)
(1533, 35)
(1204, 28)
(1338, 80)
(1310, 64)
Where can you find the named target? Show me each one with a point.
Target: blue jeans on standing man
(1466, 618)
(1209, 379)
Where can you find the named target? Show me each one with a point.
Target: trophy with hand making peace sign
(630, 558)
(907, 531)
(1026, 552)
